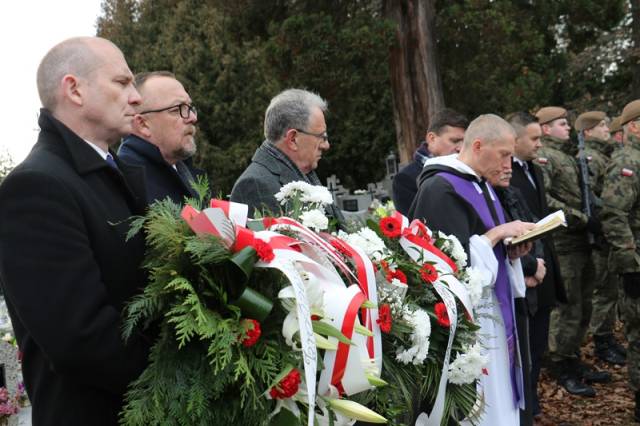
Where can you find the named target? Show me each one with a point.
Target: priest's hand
(508, 230)
(518, 250)
(530, 282)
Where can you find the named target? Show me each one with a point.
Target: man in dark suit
(65, 266)
(296, 137)
(444, 136)
(544, 288)
(163, 137)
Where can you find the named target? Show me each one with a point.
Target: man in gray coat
(296, 137)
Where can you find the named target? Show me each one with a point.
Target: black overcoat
(161, 179)
(551, 290)
(67, 271)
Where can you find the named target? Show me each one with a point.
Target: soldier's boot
(636, 411)
(605, 349)
(618, 347)
(590, 375)
(566, 373)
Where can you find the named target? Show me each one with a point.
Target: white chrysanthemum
(368, 241)
(457, 252)
(317, 195)
(293, 189)
(467, 366)
(447, 245)
(315, 220)
(421, 324)
(476, 280)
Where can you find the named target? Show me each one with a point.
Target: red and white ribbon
(344, 368)
(416, 240)
(204, 223)
(347, 380)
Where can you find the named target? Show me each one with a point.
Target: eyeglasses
(324, 136)
(184, 110)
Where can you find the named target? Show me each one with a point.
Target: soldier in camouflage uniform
(616, 132)
(598, 149)
(569, 322)
(621, 223)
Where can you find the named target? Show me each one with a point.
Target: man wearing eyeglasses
(163, 137)
(296, 137)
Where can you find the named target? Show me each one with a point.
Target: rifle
(585, 188)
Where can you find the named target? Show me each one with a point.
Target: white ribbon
(437, 412)
(354, 379)
(283, 261)
(446, 292)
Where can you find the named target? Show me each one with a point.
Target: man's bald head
(488, 128)
(488, 146)
(78, 56)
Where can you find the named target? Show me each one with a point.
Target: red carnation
(428, 273)
(397, 274)
(441, 312)
(264, 250)
(287, 387)
(390, 226)
(384, 318)
(252, 332)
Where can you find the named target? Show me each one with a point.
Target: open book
(542, 228)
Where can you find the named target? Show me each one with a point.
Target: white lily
(355, 411)
(324, 343)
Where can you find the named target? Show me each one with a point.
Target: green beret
(630, 112)
(548, 114)
(589, 120)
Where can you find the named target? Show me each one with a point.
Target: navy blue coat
(67, 271)
(161, 178)
(404, 184)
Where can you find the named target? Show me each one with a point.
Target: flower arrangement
(274, 321)
(431, 347)
(241, 315)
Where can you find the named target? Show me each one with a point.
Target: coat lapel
(537, 176)
(86, 160)
(276, 166)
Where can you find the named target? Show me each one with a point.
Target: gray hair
(73, 56)
(290, 109)
(488, 128)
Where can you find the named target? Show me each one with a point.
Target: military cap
(589, 120)
(550, 113)
(630, 112)
(615, 125)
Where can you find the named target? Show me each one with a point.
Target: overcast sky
(28, 29)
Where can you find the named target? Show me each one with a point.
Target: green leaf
(327, 329)
(285, 418)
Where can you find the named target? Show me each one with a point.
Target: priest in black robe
(455, 196)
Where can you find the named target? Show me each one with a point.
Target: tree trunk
(635, 56)
(415, 80)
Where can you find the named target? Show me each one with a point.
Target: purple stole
(468, 190)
